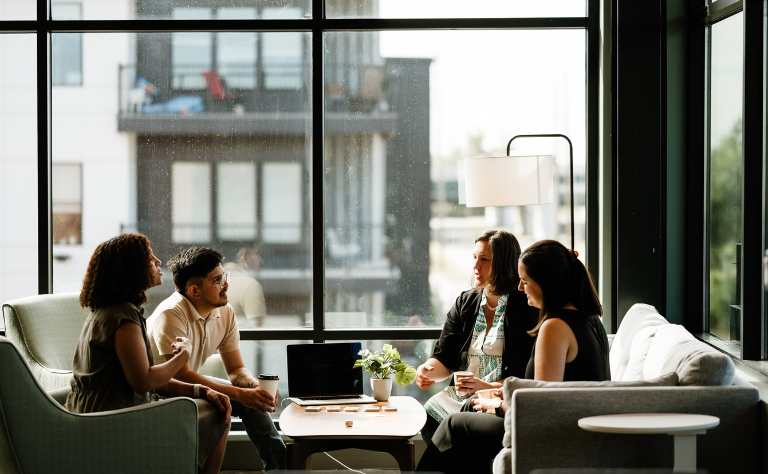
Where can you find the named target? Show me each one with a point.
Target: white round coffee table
(684, 427)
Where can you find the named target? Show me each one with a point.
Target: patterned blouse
(485, 354)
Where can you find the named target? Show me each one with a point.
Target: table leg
(297, 457)
(685, 453)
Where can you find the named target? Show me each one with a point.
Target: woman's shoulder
(116, 313)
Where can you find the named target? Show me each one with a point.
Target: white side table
(684, 427)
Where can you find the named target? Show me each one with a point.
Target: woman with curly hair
(113, 365)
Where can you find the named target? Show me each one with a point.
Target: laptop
(322, 374)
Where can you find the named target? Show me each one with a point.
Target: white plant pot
(381, 389)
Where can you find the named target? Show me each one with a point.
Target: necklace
(492, 308)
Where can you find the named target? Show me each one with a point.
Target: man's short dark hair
(192, 265)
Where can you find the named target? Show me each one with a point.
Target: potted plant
(382, 364)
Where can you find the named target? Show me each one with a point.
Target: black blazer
(452, 349)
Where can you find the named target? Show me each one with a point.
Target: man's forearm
(192, 377)
(243, 377)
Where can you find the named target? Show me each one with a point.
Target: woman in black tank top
(571, 343)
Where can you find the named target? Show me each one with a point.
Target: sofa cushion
(513, 383)
(674, 349)
(637, 354)
(638, 317)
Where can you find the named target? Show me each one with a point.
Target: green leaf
(406, 377)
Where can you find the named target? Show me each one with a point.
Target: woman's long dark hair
(119, 271)
(505, 252)
(563, 279)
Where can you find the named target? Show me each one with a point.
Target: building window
(66, 48)
(724, 178)
(67, 203)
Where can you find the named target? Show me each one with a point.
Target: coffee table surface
(406, 422)
(649, 423)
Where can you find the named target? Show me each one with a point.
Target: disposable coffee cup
(460, 375)
(487, 393)
(268, 383)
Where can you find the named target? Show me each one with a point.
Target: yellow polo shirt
(177, 316)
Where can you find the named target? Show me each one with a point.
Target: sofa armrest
(544, 431)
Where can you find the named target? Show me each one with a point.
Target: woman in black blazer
(486, 331)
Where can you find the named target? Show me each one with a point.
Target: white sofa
(542, 423)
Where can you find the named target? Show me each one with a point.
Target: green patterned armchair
(37, 435)
(46, 328)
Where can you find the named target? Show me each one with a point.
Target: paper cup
(268, 383)
(460, 375)
(487, 393)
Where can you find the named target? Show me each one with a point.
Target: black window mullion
(593, 139)
(752, 184)
(44, 218)
(318, 174)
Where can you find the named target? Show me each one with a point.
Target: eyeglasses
(225, 277)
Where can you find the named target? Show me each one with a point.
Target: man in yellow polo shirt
(199, 311)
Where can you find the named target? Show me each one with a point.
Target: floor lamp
(511, 180)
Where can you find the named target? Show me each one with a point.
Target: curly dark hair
(505, 251)
(119, 271)
(563, 279)
(191, 265)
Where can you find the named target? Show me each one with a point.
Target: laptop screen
(316, 370)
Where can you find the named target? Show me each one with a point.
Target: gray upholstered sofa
(542, 423)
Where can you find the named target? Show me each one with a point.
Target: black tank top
(591, 362)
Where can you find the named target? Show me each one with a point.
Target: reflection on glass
(282, 196)
(191, 212)
(283, 53)
(67, 203)
(398, 244)
(191, 52)
(454, 9)
(226, 166)
(726, 89)
(18, 167)
(236, 53)
(236, 201)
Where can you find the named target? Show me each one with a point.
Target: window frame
(317, 26)
(754, 331)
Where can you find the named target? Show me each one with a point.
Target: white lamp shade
(508, 181)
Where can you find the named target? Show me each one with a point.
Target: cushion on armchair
(639, 317)
(513, 383)
(675, 349)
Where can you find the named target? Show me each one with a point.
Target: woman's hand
(487, 405)
(219, 400)
(181, 344)
(472, 385)
(422, 376)
(499, 393)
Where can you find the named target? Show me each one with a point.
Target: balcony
(254, 104)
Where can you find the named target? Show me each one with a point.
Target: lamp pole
(570, 145)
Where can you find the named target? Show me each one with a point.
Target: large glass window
(346, 216)
(724, 177)
(398, 243)
(18, 167)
